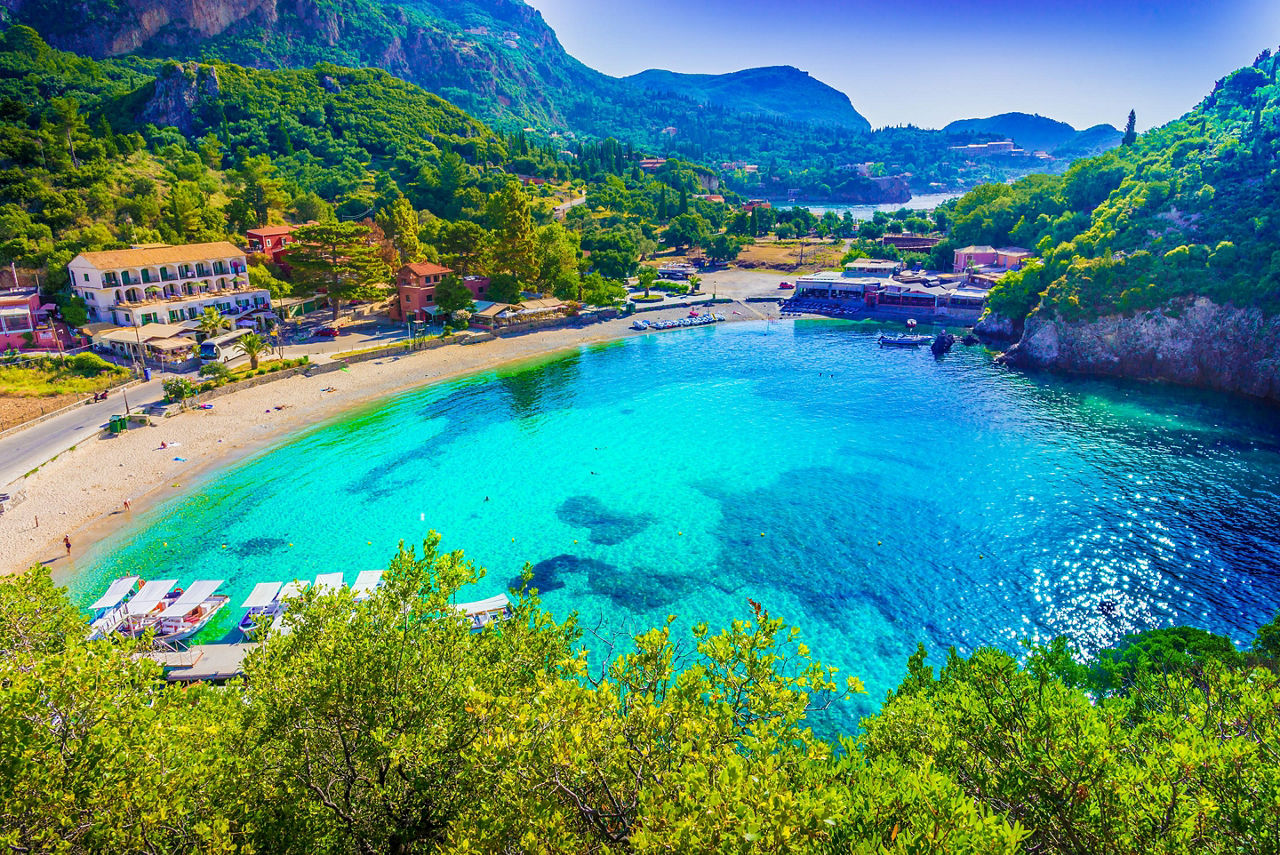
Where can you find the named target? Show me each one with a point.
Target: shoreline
(79, 493)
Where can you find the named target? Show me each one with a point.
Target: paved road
(24, 450)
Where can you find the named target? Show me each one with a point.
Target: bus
(222, 348)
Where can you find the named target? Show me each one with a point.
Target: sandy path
(82, 492)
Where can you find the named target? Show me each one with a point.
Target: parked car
(326, 332)
(786, 285)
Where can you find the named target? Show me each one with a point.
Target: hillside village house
(973, 256)
(23, 321)
(416, 285)
(990, 260)
(272, 240)
(159, 284)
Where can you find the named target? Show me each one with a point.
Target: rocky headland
(1199, 343)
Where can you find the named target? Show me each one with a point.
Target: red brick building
(416, 290)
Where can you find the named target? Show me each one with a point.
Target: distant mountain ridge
(1041, 133)
(782, 91)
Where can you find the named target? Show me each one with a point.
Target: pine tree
(338, 258)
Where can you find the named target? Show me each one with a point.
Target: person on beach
(66, 541)
(128, 505)
(163, 445)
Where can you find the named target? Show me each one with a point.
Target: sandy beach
(82, 493)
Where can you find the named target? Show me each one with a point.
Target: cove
(873, 498)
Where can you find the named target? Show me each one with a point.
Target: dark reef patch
(258, 546)
(606, 527)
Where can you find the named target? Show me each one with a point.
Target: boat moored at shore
(109, 611)
(190, 612)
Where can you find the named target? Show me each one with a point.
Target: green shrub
(180, 388)
(216, 371)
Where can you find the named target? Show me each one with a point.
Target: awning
(193, 596)
(366, 582)
(115, 594)
(263, 594)
(329, 581)
(492, 604)
(151, 594)
(292, 589)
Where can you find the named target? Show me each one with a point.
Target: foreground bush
(387, 726)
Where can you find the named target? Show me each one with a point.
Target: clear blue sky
(927, 62)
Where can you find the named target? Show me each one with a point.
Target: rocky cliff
(180, 90)
(1197, 344)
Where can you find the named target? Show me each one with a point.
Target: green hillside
(781, 91)
(500, 62)
(1189, 209)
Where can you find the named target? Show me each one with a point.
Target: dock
(203, 662)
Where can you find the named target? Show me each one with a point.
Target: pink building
(1012, 257)
(23, 323)
(973, 256)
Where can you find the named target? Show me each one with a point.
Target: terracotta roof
(161, 255)
(271, 231)
(425, 268)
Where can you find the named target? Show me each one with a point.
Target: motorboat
(904, 340)
(367, 581)
(291, 591)
(144, 607)
(329, 582)
(263, 604)
(109, 611)
(638, 324)
(484, 612)
(190, 612)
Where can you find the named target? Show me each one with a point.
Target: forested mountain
(1040, 133)
(780, 91)
(499, 61)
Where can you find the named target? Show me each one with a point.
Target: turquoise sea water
(875, 498)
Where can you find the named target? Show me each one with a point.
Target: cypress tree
(1130, 130)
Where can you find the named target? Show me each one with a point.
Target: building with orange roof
(158, 283)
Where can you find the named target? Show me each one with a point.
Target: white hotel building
(158, 284)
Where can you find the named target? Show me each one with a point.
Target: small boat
(484, 612)
(903, 340)
(366, 583)
(290, 591)
(329, 582)
(110, 609)
(639, 324)
(191, 612)
(143, 607)
(263, 604)
(911, 323)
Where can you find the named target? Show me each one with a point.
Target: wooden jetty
(214, 663)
